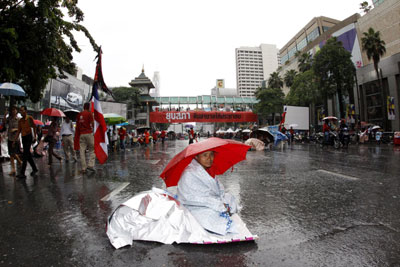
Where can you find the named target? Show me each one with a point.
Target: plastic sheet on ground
(156, 216)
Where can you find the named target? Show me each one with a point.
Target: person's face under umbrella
(206, 159)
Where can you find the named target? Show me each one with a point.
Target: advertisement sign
(350, 113)
(320, 115)
(299, 116)
(391, 108)
(202, 116)
(220, 83)
(69, 93)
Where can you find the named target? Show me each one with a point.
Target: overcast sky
(191, 43)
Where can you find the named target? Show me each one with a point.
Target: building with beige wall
(374, 108)
(316, 27)
(346, 32)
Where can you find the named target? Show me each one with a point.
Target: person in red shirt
(146, 137)
(84, 128)
(122, 135)
(325, 129)
(155, 136)
(191, 136)
(162, 136)
(291, 135)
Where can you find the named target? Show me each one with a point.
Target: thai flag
(283, 119)
(100, 127)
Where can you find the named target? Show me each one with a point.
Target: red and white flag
(281, 124)
(100, 127)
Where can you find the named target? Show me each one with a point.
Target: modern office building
(377, 106)
(253, 66)
(377, 2)
(316, 27)
(156, 81)
(345, 31)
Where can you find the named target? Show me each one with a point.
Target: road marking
(115, 191)
(151, 161)
(339, 175)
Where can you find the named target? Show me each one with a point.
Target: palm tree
(289, 77)
(275, 81)
(305, 62)
(374, 46)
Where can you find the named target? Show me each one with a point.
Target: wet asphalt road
(309, 207)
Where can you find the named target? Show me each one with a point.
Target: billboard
(202, 116)
(299, 116)
(220, 83)
(65, 94)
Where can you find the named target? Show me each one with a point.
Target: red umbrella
(52, 112)
(38, 122)
(227, 154)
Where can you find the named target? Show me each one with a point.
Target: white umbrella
(246, 131)
(330, 118)
(11, 89)
(230, 130)
(376, 127)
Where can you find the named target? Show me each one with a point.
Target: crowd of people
(121, 138)
(26, 140)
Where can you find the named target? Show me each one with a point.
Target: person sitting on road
(204, 196)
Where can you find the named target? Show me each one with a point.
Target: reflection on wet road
(310, 207)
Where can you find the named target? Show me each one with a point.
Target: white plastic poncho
(205, 197)
(156, 216)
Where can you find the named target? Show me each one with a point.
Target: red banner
(201, 116)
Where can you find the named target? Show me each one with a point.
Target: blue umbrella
(122, 124)
(11, 89)
(278, 136)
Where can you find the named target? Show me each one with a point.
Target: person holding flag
(84, 129)
(98, 125)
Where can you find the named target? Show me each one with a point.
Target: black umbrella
(71, 113)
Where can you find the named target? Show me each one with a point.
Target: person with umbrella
(25, 126)
(13, 141)
(199, 214)
(203, 195)
(51, 138)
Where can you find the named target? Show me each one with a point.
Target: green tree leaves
(275, 81)
(126, 95)
(32, 42)
(374, 46)
(334, 70)
(289, 77)
(304, 90)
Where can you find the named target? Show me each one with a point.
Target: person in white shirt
(114, 138)
(67, 132)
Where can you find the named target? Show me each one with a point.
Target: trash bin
(396, 139)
